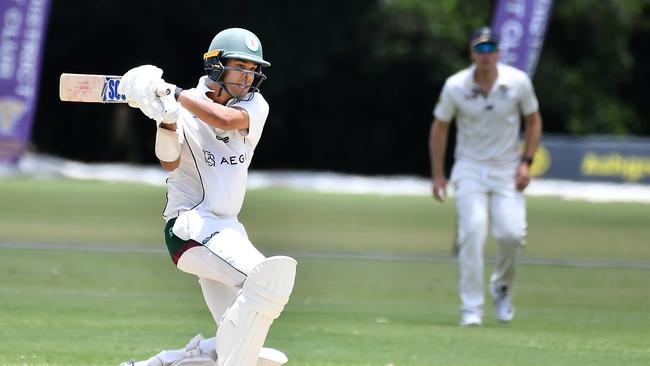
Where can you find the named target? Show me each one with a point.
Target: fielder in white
(205, 138)
(489, 175)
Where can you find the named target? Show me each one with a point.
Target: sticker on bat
(109, 91)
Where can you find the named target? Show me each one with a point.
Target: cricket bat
(90, 88)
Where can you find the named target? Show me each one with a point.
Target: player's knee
(264, 294)
(509, 236)
(269, 285)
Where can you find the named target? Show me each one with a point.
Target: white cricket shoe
(193, 355)
(503, 308)
(469, 318)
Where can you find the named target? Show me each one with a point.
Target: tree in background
(588, 68)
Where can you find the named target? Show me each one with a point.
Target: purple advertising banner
(521, 25)
(22, 33)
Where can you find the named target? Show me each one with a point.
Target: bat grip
(161, 92)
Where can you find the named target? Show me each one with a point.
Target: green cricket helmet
(236, 43)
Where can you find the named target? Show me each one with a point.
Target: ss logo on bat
(109, 92)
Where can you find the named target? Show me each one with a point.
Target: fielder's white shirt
(487, 126)
(214, 163)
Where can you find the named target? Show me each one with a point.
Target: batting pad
(271, 357)
(245, 325)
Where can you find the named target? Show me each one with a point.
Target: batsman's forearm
(214, 114)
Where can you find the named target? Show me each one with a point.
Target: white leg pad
(267, 357)
(246, 323)
(271, 357)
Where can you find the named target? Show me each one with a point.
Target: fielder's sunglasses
(485, 47)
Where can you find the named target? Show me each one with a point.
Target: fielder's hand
(440, 189)
(522, 179)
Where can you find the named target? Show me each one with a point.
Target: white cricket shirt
(487, 126)
(214, 163)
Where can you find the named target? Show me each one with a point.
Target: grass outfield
(77, 306)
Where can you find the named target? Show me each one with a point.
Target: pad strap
(168, 146)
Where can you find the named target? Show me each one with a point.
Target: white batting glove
(139, 85)
(171, 109)
(136, 79)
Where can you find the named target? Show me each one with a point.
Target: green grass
(81, 307)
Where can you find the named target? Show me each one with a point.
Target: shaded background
(352, 83)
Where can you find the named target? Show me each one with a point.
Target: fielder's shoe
(503, 308)
(470, 318)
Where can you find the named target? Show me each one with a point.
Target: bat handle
(161, 92)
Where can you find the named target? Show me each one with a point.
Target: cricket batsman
(205, 139)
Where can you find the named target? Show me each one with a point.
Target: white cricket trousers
(219, 253)
(486, 194)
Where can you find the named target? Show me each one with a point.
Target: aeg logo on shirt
(228, 160)
(233, 160)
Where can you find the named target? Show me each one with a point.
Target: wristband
(527, 160)
(177, 93)
(168, 146)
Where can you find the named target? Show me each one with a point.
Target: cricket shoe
(503, 308)
(470, 318)
(192, 355)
